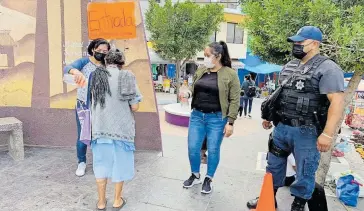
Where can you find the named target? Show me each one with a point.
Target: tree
(180, 30)
(270, 22)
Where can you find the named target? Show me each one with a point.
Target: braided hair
(100, 77)
(100, 85)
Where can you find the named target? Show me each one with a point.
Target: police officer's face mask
(298, 50)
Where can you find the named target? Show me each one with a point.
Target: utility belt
(298, 122)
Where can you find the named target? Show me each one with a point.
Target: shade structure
(264, 68)
(254, 64)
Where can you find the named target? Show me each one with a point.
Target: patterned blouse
(86, 67)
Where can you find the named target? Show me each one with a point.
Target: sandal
(97, 208)
(121, 206)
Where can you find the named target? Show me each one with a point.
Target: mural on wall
(38, 38)
(17, 48)
(59, 41)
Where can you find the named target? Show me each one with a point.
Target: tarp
(254, 64)
(264, 68)
(251, 60)
(349, 75)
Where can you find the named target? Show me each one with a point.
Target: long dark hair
(100, 77)
(100, 85)
(220, 48)
(95, 44)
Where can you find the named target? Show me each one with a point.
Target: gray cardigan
(116, 120)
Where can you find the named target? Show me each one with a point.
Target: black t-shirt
(206, 94)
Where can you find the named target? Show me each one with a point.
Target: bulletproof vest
(300, 102)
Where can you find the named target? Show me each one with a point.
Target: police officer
(308, 108)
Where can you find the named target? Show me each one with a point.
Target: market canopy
(254, 64)
(264, 68)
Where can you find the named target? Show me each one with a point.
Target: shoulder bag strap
(89, 97)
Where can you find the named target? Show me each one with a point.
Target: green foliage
(348, 3)
(270, 22)
(179, 31)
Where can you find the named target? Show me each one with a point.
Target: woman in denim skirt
(114, 99)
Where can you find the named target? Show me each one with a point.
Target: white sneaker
(81, 169)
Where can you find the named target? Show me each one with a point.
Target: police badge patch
(300, 85)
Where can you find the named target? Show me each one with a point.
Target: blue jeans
(210, 125)
(302, 142)
(80, 146)
(247, 100)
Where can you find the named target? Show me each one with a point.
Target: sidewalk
(45, 180)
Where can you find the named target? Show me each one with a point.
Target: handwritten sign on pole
(111, 20)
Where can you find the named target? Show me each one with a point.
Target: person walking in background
(249, 92)
(81, 70)
(215, 104)
(241, 107)
(114, 97)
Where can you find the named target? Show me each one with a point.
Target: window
(213, 37)
(234, 34)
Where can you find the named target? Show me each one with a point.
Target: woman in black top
(215, 103)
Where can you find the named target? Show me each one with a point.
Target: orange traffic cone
(266, 198)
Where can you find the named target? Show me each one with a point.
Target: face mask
(298, 52)
(208, 62)
(99, 56)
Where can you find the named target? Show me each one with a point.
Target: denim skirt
(113, 159)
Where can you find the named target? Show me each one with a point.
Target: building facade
(229, 31)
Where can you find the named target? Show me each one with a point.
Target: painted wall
(41, 37)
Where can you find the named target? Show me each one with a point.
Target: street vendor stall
(355, 111)
(265, 74)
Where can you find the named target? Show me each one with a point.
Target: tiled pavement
(45, 180)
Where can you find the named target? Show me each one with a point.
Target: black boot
(318, 201)
(298, 204)
(252, 204)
